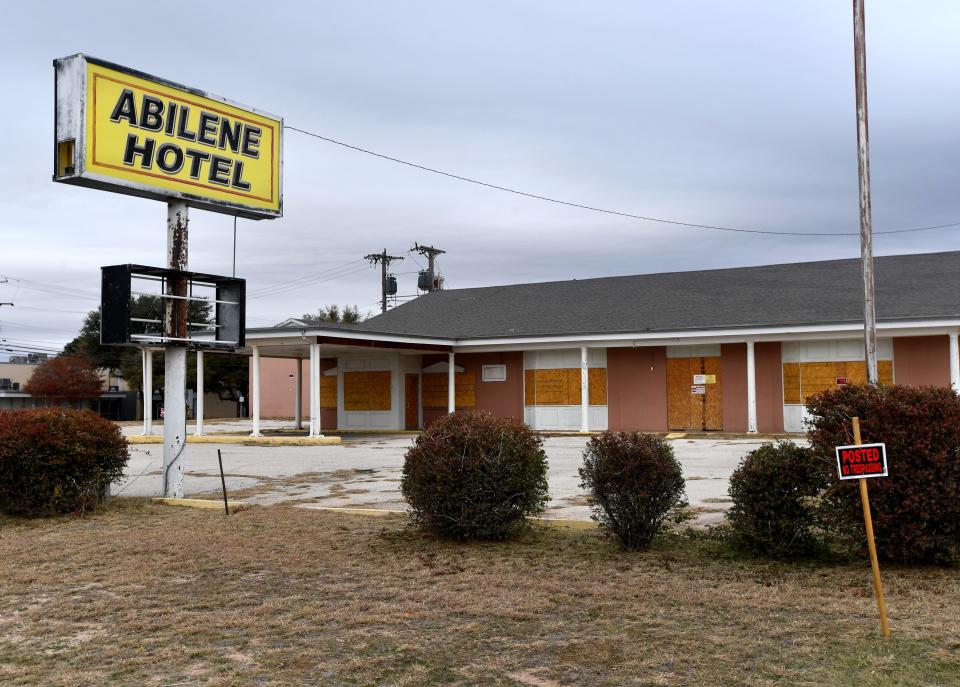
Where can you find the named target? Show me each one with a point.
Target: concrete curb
(245, 440)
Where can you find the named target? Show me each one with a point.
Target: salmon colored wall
(921, 360)
(768, 361)
(733, 379)
(637, 389)
(277, 395)
(503, 399)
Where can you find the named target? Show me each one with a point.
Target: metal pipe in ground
(223, 483)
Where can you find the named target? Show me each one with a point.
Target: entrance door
(411, 395)
(694, 394)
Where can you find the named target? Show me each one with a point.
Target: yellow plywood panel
(434, 392)
(885, 371)
(597, 383)
(561, 386)
(803, 380)
(465, 390)
(687, 410)
(328, 392)
(366, 390)
(557, 387)
(713, 398)
(791, 383)
(678, 393)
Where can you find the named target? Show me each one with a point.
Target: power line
(52, 288)
(304, 278)
(606, 211)
(343, 272)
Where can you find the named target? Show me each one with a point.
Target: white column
(954, 362)
(147, 359)
(199, 431)
(174, 419)
(751, 389)
(298, 397)
(255, 392)
(451, 384)
(315, 390)
(584, 391)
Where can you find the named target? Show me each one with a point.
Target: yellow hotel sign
(128, 132)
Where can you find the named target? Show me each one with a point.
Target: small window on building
(494, 373)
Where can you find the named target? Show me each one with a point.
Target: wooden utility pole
(384, 260)
(863, 166)
(431, 254)
(871, 542)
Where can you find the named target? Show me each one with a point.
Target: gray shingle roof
(829, 292)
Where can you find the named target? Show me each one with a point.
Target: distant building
(117, 402)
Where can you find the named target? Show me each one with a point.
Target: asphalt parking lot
(364, 472)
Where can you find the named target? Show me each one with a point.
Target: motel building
(732, 350)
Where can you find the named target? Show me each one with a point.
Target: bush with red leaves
(57, 460)
(916, 510)
(70, 378)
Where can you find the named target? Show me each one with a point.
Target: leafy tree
(68, 378)
(331, 313)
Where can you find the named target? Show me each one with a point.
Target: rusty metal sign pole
(863, 165)
(175, 354)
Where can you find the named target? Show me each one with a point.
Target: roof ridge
(680, 272)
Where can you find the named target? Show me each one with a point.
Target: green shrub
(635, 484)
(916, 510)
(774, 492)
(57, 460)
(475, 476)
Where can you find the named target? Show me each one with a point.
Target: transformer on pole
(388, 284)
(428, 280)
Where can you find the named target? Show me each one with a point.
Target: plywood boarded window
(366, 390)
(597, 385)
(803, 380)
(686, 409)
(561, 387)
(434, 392)
(328, 392)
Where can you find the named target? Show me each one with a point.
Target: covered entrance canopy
(363, 380)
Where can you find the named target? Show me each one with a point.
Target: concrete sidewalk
(364, 472)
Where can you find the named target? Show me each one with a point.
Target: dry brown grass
(152, 595)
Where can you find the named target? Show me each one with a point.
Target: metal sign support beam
(175, 356)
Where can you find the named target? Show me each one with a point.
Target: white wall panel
(702, 351)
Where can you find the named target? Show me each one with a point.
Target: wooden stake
(871, 544)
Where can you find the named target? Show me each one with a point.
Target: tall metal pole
(175, 355)
(863, 167)
(234, 273)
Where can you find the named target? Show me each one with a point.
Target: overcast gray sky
(735, 113)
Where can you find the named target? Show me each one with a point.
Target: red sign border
(883, 452)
